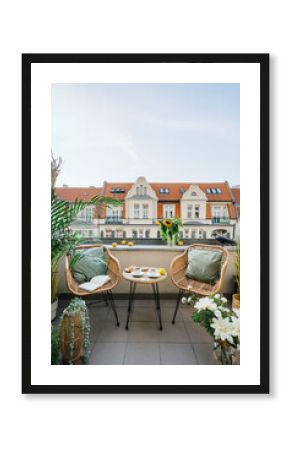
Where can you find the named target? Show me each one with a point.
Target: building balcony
(114, 221)
(181, 343)
(78, 221)
(220, 220)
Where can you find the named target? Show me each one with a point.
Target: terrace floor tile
(143, 332)
(204, 354)
(111, 333)
(107, 353)
(197, 334)
(142, 353)
(174, 333)
(177, 354)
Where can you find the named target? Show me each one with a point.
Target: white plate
(137, 275)
(153, 276)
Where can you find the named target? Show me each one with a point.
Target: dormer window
(213, 191)
(194, 194)
(164, 191)
(117, 190)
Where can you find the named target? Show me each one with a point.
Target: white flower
(223, 329)
(218, 314)
(224, 300)
(184, 300)
(217, 296)
(223, 309)
(190, 301)
(237, 312)
(236, 326)
(206, 303)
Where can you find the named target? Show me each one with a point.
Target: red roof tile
(175, 192)
(231, 209)
(83, 193)
(236, 192)
(121, 196)
(174, 189)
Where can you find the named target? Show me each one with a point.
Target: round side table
(144, 279)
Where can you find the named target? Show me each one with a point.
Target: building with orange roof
(206, 209)
(86, 220)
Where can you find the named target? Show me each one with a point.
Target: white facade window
(168, 211)
(136, 211)
(134, 234)
(189, 212)
(145, 211)
(202, 234)
(186, 234)
(141, 234)
(115, 213)
(119, 234)
(87, 214)
(217, 211)
(196, 212)
(193, 234)
(145, 190)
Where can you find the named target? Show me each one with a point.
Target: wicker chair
(114, 272)
(178, 268)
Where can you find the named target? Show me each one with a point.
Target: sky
(165, 132)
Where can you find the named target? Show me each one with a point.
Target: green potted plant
(75, 332)
(236, 295)
(220, 322)
(63, 239)
(170, 230)
(55, 346)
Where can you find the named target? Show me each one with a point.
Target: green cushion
(92, 263)
(204, 265)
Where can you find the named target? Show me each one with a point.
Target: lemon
(180, 242)
(130, 244)
(124, 242)
(114, 245)
(162, 271)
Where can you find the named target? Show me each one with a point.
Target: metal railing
(114, 221)
(221, 220)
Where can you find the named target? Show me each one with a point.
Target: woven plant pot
(236, 301)
(65, 337)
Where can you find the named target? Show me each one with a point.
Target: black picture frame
(27, 61)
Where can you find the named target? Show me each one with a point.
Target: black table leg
(157, 302)
(131, 300)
